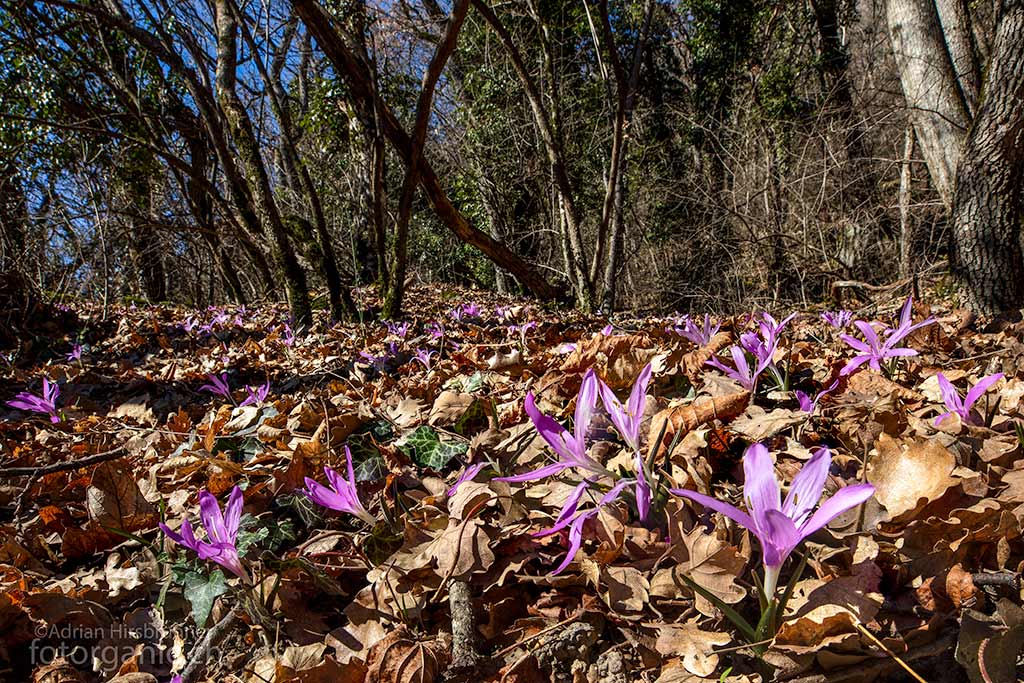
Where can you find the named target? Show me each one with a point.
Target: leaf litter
(164, 405)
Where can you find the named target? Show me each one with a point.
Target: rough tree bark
(987, 205)
(937, 106)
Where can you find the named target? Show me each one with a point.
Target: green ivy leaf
(425, 447)
(201, 590)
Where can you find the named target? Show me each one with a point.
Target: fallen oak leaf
(673, 423)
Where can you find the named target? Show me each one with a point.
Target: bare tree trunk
(625, 102)
(556, 158)
(424, 107)
(362, 90)
(938, 109)
(247, 148)
(339, 297)
(987, 205)
(906, 219)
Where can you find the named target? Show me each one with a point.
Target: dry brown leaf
(625, 589)
(686, 418)
(115, 501)
(400, 658)
(756, 424)
(693, 644)
(909, 473)
(819, 610)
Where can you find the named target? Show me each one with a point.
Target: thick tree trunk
(987, 206)
(934, 96)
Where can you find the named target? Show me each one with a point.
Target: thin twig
(63, 466)
(211, 639)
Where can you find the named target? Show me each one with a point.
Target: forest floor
(921, 582)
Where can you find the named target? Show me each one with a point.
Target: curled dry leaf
(685, 418)
(400, 658)
(820, 610)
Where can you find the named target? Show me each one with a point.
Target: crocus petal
(615, 491)
(853, 364)
(616, 412)
(533, 475)
(467, 475)
(553, 433)
(979, 389)
(857, 344)
(568, 510)
(730, 511)
(843, 500)
(778, 538)
(213, 519)
(870, 336)
(575, 540)
(807, 486)
(233, 514)
(637, 397)
(805, 402)
(942, 417)
(950, 396)
(585, 402)
(760, 486)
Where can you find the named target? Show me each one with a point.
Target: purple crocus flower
(288, 336)
(567, 347)
(221, 529)
(743, 372)
(700, 336)
(571, 448)
(873, 350)
(809, 406)
(607, 330)
(468, 474)
(398, 329)
(257, 395)
(342, 495)
(435, 330)
(47, 403)
(781, 526)
(838, 319)
(75, 353)
(424, 356)
(963, 406)
(218, 386)
(627, 418)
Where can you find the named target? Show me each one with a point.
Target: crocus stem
(771, 580)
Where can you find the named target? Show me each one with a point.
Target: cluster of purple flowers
(761, 345)
(573, 454)
(222, 528)
(699, 335)
(874, 348)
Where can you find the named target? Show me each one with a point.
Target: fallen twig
(63, 466)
